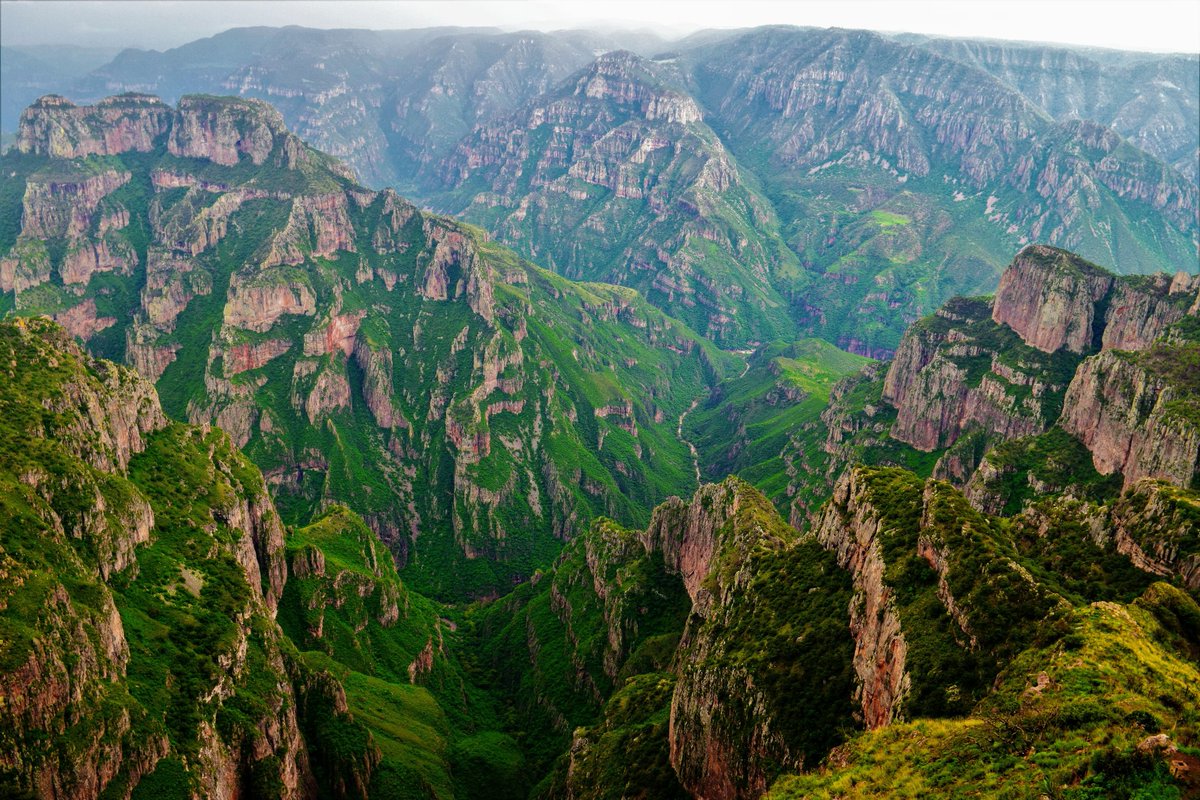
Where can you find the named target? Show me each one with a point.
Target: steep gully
(682, 417)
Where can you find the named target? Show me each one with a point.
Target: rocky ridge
(278, 299)
(960, 370)
(101, 536)
(615, 176)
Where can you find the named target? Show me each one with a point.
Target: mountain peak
(223, 130)
(630, 80)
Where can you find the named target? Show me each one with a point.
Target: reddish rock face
(65, 208)
(1055, 300)
(330, 393)
(318, 225)
(244, 357)
(454, 257)
(85, 259)
(81, 320)
(215, 129)
(1049, 298)
(337, 336)
(936, 400)
(1122, 412)
(257, 306)
(849, 526)
(1138, 316)
(148, 359)
(377, 388)
(56, 127)
(223, 132)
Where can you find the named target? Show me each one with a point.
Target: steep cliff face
(1011, 368)
(280, 301)
(143, 563)
(1047, 685)
(1056, 300)
(850, 528)
(614, 176)
(738, 716)
(1049, 298)
(1158, 527)
(639, 637)
(1138, 413)
(958, 370)
(932, 581)
(53, 126)
(201, 126)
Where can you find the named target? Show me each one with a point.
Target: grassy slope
(747, 422)
(1065, 720)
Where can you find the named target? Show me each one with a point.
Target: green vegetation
(148, 634)
(1069, 717)
(716, 262)
(501, 465)
(626, 754)
(778, 637)
(555, 649)
(442, 422)
(749, 425)
(1053, 461)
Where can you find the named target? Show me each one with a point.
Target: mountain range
(757, 184)
(314, 490)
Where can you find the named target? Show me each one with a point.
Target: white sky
(1150, 25)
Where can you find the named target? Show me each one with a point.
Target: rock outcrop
(687, 534)
(1011, 368)
(912, 548)
(733, 725)
(125, 518)
(258, 302)
(850, 527)
(958, 371)
(279, 296)
(1050, 297)
(53, 126)
(1158, 527)
(65, 207)
(1138, 414)
(202, 126)
(1056, 300)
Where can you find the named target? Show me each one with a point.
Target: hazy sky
(1153, 25)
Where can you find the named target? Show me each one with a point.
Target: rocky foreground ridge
(902, 607)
